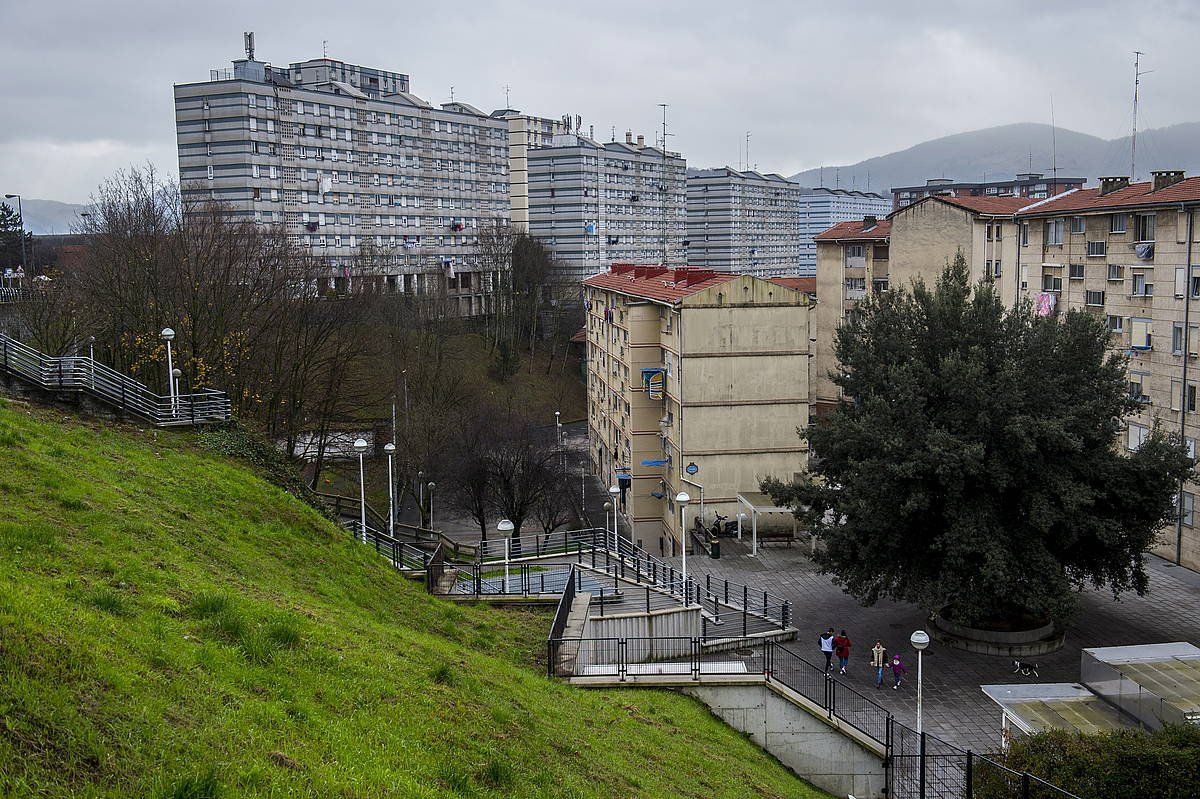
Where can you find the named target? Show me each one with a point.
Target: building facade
(927, 234)
(525, 132)
(1033, 185)
(822, 208)
(597, 204)
(375, 183)
(744, 222)
(1128, 252)
(852, 260)
(695, 378)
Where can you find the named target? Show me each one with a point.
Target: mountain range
(47, 217)
(1003, 151)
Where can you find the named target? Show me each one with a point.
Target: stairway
(80, 375)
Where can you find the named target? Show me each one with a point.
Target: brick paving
(955, 708)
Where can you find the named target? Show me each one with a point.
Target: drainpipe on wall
(1187, 337)
(1019, 224)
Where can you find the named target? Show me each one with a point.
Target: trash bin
(714, 547)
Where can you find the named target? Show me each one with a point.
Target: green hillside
(173, 626)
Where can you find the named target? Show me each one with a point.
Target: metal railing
(79, 373)
(917, 765)
(435, 569)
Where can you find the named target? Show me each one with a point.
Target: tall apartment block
(1033, 185)
(1128, 252)
(525, 132)
(695, 378)
(744, 222)
(376, 183)
(822, 208)
(595, 204)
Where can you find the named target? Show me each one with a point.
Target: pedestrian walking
(841, 648)
(827, 649)
(898, 671)
(879, 661)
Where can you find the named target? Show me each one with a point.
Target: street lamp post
(92, 361)
(608, 506)
(431, 485)
(176, 373)
(505, 528)
(421, 497)
(682, 499)
(168, 335)
(21, 213)
(614, 492)
(919, 640)
(390, 449)
(360, 446)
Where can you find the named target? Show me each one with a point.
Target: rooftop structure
(1033, 185)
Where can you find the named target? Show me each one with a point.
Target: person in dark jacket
(841, 648)
(898, 671)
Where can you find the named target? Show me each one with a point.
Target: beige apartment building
(525, 132)
(928, 233)
(852, 259)
(1123, 251)
(695, 378)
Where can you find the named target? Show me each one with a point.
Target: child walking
(898, 671)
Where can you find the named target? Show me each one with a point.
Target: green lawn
(173, 626)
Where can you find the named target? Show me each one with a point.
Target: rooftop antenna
(248, 40)
(1054, 142)
(324, 48)
(747, 151)
(507, 102)
(663, 187)
(451, 94)
(614, 133)
(1137, 79)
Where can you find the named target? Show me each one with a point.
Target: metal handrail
(86, 375)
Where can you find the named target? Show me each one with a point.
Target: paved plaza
(955, 709)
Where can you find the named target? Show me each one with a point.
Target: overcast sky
(87, 88)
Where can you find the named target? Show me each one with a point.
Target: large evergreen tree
(976, 466)
(11, 233)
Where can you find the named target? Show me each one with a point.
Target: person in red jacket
(841, 648)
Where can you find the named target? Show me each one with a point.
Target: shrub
(1124, 763)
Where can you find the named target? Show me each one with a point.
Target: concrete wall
(924, 237)
(806, 743)
(672, 627)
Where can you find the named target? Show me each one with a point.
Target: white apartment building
(744, 222)
(822, 208)
(595, 204)
(525, 132)
(377, 183)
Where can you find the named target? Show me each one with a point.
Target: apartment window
(1076, 271)
(1141, 333)
(1187, 512)
(1054, 231)
(1093, 297)
(1117, 223)
(1141, 287)
(1077, 224)
(1116, 272)
(1177, 339)
(1137, 435)
(1116, 324)
(1097, 249)
(1137, 386)
(1143, 227)
(996, 268)
(989, 232)
(253, 123)
(210, 172)
(1185, 396)
(1051, 283)
(1024, 234)
(854, 251)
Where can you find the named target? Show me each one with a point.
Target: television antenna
(1137, 79)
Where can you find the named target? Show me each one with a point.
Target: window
(1051, 283)
(1076, 271)
(1093, 297)
(1097, 249)
(1024, 234)
(210, 172)
(1187, 512)
(1143, 227)
(996, 268)
(1177, 339)
(1116, 272)
(1140, 333)
(1141, 288)
(1137, 436)
(1054, 232)
(1187, 397)
(1137, 386)
(1117, 223)
(1116, 324)
(854, 251)
(1077, 224)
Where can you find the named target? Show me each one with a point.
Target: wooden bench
(777, 537)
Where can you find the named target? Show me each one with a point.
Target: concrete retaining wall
(672, 627)
(839, 761)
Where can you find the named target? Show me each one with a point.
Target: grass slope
(173, 626)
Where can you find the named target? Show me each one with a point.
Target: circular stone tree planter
(1008, 643)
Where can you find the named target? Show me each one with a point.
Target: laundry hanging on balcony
(1144, 250)
(654, 380)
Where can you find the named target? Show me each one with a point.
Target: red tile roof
(664, 284)
(1135, 195)
(991, 206)
(854, 230)
(806, 284)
